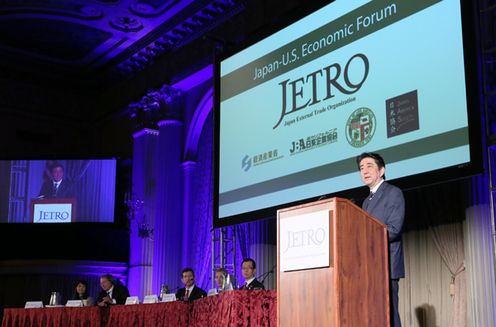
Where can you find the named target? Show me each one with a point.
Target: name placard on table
(74, 303)
(169, 298)
(150, 299)
(33, 304)
(132, 300)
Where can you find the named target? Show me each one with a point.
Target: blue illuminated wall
(172, 174)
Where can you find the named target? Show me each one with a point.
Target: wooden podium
(353, 290)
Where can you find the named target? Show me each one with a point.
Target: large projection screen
(295, 109)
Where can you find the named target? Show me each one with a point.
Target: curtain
(433, 293)
(257, 240)
(481, 276)
(94, 186)
(448, 240)
(4, 190)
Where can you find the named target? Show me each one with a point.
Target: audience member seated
(81, 292)
(221, 280)
(248, 269)
(112, 292)
(190, 291)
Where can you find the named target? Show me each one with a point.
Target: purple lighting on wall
(196, 125)
(195, 79)
(184, 195)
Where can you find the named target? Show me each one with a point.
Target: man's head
(220, 276)
(106, 282)
(372, 168)
(57, 173)
(188, 277)
(248, 268)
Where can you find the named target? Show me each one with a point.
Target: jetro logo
(246, 163)
(305, 238)
(53, 215)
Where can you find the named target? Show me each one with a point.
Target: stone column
(189, 168)
(168, 238)
(143, 189)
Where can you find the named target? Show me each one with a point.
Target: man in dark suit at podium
(248, 269)
(190, 291)
(386, 203)
(58, 187)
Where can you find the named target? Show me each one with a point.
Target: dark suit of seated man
(112, 292)
(248, 269)
(190, 291)
(58, 187)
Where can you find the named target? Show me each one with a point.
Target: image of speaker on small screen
(57, 191)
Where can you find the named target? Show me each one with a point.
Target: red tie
(186, 294)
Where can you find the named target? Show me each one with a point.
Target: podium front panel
(303, 294)
(354, 289)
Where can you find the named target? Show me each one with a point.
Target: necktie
(186, 294)
(371, 195)
(109, 295)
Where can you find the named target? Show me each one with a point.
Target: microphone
(82, 300)
(267, 274)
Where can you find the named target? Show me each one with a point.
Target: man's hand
(105, 301)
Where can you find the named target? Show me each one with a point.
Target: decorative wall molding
(150, 8)
(170, 122)
(145, 131)
(177, 33)
(196, 126)
(188, 165)
(126, 24)
(155, 107)
(111, 39)
(63, 8)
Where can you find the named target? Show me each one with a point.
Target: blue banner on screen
(57, 191)
(296, 108)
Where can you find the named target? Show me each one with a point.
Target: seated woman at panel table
(81, 292)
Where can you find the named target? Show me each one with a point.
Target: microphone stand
(266, 274)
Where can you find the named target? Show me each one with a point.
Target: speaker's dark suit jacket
(388, 205)
(196, 293)
(63, 191)
(254, 285)
(119, 293)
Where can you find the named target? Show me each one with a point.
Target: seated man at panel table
(112, 292)
(248, 269)
(222, 280)
(190, 291)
